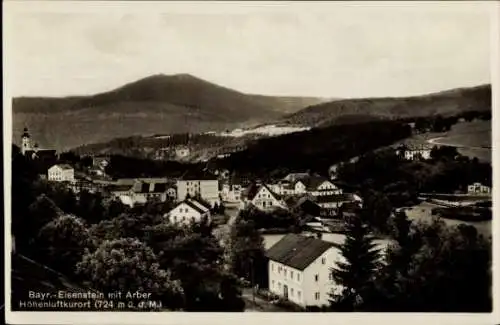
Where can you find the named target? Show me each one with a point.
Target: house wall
(478, 188)
(183, 213)
(300, 188)
(327, 188)
(302, 285)
(293, 279)
(264, 200)
(207, 189)
(58, 174)
(325, 283)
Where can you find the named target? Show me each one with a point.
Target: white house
(266, 199)
(182, 152)
(478, 189)
(414, 152)
(337, 200)
(317, 186)
(201, 184)
(140, 191)
(61, 173)
(300, 269)
(188, 211)
(302, 183)
(231, 193)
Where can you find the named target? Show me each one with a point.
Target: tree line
(104, 245)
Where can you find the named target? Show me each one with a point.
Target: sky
(322, 49)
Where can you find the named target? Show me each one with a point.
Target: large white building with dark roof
(300, 269)
(202, 184)
(189, 211)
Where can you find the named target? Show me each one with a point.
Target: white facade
(188, 211)
(308, 287)
(182, 152)
(264, 200)
(231, 193)
(207, 189)
(61, 173)
(414, 154)
(479, 189)
(326, 188)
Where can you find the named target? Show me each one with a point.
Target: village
(300, 259)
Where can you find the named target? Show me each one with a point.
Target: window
(285, 272)
(272, 266)
(316, 277)
(316, 296)
(291, 275)
(298, 276)
(279, 269)
(291, 292)
(323, 260)
(330, 276)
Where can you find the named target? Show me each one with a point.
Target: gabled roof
(63, 166)
(275, 195)
(119, 187)
(313, 182)
(295, 176)
(194, 204)
(344, 197)
(298, 251)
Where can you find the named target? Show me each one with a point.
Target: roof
(196, 205)
(298, 251)
(314, 181)
(275, 195)
(149, 187)
(295, 201)
(295, 176)
(344, 197)
(119, 187)
(63, 166)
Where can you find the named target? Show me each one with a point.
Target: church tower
(25, 141)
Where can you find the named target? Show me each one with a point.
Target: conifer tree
(356, 272)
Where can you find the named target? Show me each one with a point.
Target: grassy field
(472, 139)
(423, 213)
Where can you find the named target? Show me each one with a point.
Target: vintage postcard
(223, 162)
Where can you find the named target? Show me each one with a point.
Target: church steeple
(25, 141)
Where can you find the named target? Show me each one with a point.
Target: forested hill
(156, 104)
(316, 149)
(350, 111)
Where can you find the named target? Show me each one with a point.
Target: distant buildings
(189, 210)
(266, 199)
(182, 152)
(141, 190)
(478, 189)
(302, 183)
(202, 184)
(61, 173)
(336, 201)
(44, 157)
(230, 193)
(300, 269)
(414, 152)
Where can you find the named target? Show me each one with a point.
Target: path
(451, 144)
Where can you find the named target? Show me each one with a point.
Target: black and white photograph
(325, 158)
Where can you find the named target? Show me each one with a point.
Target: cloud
(345, 50)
